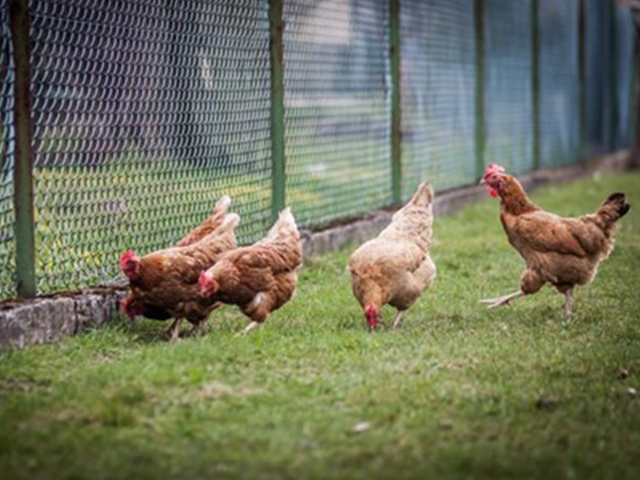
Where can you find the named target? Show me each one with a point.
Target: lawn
(458, 392)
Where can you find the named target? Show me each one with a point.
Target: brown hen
(259, 278)
(164, 284)
(395, 268)
(564, 252)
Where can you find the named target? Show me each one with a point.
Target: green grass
(459, 392)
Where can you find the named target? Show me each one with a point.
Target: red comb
(128, 255)
(493, 168)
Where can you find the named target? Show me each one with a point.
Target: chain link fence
(337, 108)
(7, 142)
(145, 112)
(508, 84)
(559, 60)
(599, 71)
(438, 93)
(624, 75)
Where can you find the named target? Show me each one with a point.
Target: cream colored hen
(395, 268)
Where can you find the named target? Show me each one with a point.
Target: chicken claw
(504, 300)
(196, 330)
(247, 329)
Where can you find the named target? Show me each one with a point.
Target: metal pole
(635, 98)
(479, 131)
(613, 76)
(23, 169)
(396, 114)
(582, 59)
(278, 172)
(535, 37)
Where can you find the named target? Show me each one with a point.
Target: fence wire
(599, 68)
(624, 58)
(145, 113)
(559, 75)
(508, 92)
(438, 93)
(337, 108)
(7, 145)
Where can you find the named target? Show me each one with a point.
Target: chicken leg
(568, 302)
(174, 330)
(504, 300)
(398, 319)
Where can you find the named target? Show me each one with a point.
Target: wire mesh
(7, 243)
(625, 41)
(438, 93)
(337, 107)
(599, 67)
(559, 76)
(508, 92)
(145, 113)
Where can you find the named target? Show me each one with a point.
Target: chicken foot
(247, 329)
(504, 300)
(196, 329)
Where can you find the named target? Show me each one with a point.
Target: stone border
(47, 319)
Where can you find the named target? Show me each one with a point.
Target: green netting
(337, 107)
(598, 71)
(7, 244)
(625, 40)
(508, 98)
(145, 113)
(559, 76)
(438, 93)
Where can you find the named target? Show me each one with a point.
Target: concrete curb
(44, 320)
(47, 319)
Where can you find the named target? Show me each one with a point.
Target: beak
(482, 182)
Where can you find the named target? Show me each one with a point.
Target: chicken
(259, 278)
(164, 284)
(564, 252)
(395, 268)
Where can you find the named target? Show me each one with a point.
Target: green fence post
(613, 75)
(582, 66)
(634, 135)
(396, 114)
(535, 80)
(23, 168)
(278, 172)
(479, 131)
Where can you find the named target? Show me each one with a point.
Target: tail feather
(420, 202)
(223, 204)
(613, 208)
(230, 223)
(285, 225)
(210, 224)
(423, 196)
